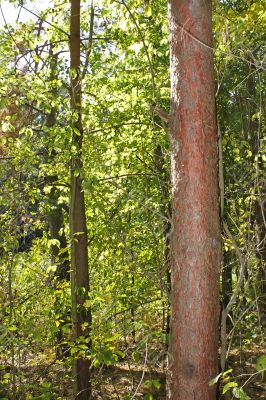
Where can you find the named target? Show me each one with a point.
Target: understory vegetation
(116, 143)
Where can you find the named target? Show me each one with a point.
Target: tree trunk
(78, 230)
(55, 218)
(196, 242)
(166, 210)
(259, 210)
(55, 214)
(227, 280)
(61, 260)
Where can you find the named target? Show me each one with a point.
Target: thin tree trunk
(55, 217)
(60, 258)
(55, 214)
(259, 213)
(78, 229)
(56, 223)
(227, 280)
(164, 182)
(132, 310)
(196, 241)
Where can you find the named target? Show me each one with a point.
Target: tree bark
(78, 229)
(196, 241)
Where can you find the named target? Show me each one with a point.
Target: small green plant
(229, 384)
(107, 354)
(152, 385)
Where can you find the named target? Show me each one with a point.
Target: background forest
(116, 144)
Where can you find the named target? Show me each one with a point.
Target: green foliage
(229, 386)
(240, 394)
(261, 363)
(148, 396)
(150, 384)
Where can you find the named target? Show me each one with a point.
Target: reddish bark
(195, 248)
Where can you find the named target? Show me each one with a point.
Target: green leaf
(120, 353)
(74, 350)
(113, 338)
(76, 130)
(47, 189)
(87, 304)
(148, 10)
(135, 356)
(12, 328)
(46, 385)
(228, 386)
(109, 358)
(53, 242)
(240, 394)
(213, 381)
(148, 396)
(84, 325)
(261, 363)
(152, 384)
(227, 372)
(36, 58)
(83, 347)
(156, 384)
(51, 268)
(148, 384)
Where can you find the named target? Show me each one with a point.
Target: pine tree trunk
(196, 242)
(78, 229)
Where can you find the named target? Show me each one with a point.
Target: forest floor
(128, 381)
(118, 381)
(244, 371)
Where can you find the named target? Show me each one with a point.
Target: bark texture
(78, 229)
(196, 244)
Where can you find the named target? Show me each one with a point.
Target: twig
(232, 300)
(143, 372)
(103, 129)
(126, 176)
(16, 45)
(81, 391)
(183, 30)
(115, 389)
(44, 20)
(231, 333)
